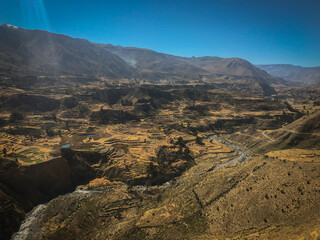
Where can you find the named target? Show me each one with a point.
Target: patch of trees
(201, 109)
(34, 132)
(70, 102)
(33, 103)
(16, 117)
(229, 124)
(52, 131)
(199, 140)
(112, 116)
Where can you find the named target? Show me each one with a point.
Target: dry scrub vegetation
(149, 169)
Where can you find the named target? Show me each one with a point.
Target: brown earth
(125, 136)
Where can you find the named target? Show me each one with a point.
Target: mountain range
(146, 61)
(36, 52)
(293, 73)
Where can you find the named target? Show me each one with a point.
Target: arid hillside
(34, 52)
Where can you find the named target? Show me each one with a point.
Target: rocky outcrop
(79, 111)
(18, 193)
(143, 109)
(23, 187)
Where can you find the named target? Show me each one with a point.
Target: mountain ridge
(293, 73)
(214, 65)
(36, 53)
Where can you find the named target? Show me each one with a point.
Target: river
(242, 153)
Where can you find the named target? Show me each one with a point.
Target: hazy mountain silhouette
(293, 73)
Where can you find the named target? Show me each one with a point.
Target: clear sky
(261, 31)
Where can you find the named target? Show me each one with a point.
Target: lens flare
(34, 13)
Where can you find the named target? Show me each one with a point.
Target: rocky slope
(231, 66)
(35, 52)
(145, 60)
(154, 65)
(302, 133)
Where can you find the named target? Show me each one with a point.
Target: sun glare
(34, 12)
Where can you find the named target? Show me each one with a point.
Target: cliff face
(16, 197)
(23, 187)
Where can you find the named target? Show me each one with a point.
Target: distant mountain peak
(9, 26)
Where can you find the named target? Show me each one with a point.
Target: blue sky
(261, 31)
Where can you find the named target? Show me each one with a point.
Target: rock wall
(23, 187)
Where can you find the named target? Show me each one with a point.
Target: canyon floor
(159, 161)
